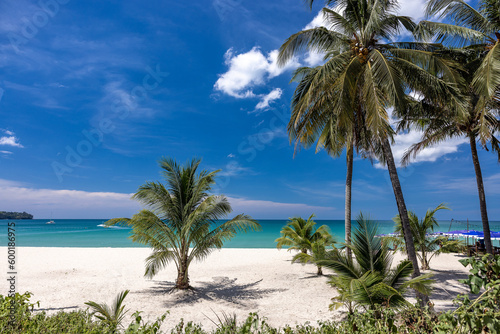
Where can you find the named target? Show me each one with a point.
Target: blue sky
(94, 92)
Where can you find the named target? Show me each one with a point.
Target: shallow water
(92, 233)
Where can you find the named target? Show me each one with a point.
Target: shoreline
(231, 281)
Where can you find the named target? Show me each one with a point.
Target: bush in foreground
(481, 315)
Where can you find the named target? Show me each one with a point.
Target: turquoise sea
(92, 233)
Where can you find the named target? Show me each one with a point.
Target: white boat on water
(50, 222)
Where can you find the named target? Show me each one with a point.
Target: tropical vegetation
(182, 223)
(479, 315)
(426, 246)
(15, 215)
(472, 38)
(361, 78)
(302, 235)
(111, 316)
(369, 280)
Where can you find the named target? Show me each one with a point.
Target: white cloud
(412, 8)
(116, 98)
(6, 152)
(274, 70)
(233, 168)
(432, 153)
(65, 203)
(254, 68)
(249, 70)
(318, 21)
(230, 155)
(403, 141)
(273, 95)
(10, 141)
(469, 185)
(313, 58)
(245, 71)
(273, 210)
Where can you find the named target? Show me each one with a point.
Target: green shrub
(24, 321)
(480, 315)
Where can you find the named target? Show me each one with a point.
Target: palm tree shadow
(313, 275)
(56, 308)
(448, 287)
(220, 289)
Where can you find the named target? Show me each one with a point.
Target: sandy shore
(236, 281)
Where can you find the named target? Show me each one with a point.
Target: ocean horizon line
(93, 233)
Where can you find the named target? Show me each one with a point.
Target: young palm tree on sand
(182, 222)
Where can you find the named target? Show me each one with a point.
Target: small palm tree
(113, 316)
(318, 253)
(299, 234)
(369, 280)
(427, 247)
(183, 220)
(302, 235)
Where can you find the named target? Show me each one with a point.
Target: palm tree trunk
(482, 197)
(182, 282)
(425, 262)
(348, 185)
(403, 214)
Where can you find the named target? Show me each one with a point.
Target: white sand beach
(236, 281)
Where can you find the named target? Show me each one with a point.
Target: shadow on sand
(220, 289)
(55, 308)
(447, 288)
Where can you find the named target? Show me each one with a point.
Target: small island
(15, 215)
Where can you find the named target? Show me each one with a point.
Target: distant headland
(15, 215)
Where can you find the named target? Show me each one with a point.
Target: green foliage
(302, 235)
(318, 253)
(346, 99)
(452, 246)
(481, 315)
(299, 234)
(182, 223)
(25, 321)
(426, 247)
(16, 309)
(15, 215)
(478, 316)
(140, 327)
(471, 28)
(368, 280)
(484, 272)
(112, 316)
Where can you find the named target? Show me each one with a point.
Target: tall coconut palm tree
(480, 123)
(182, 222)
(333, 136)
(365, 77)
